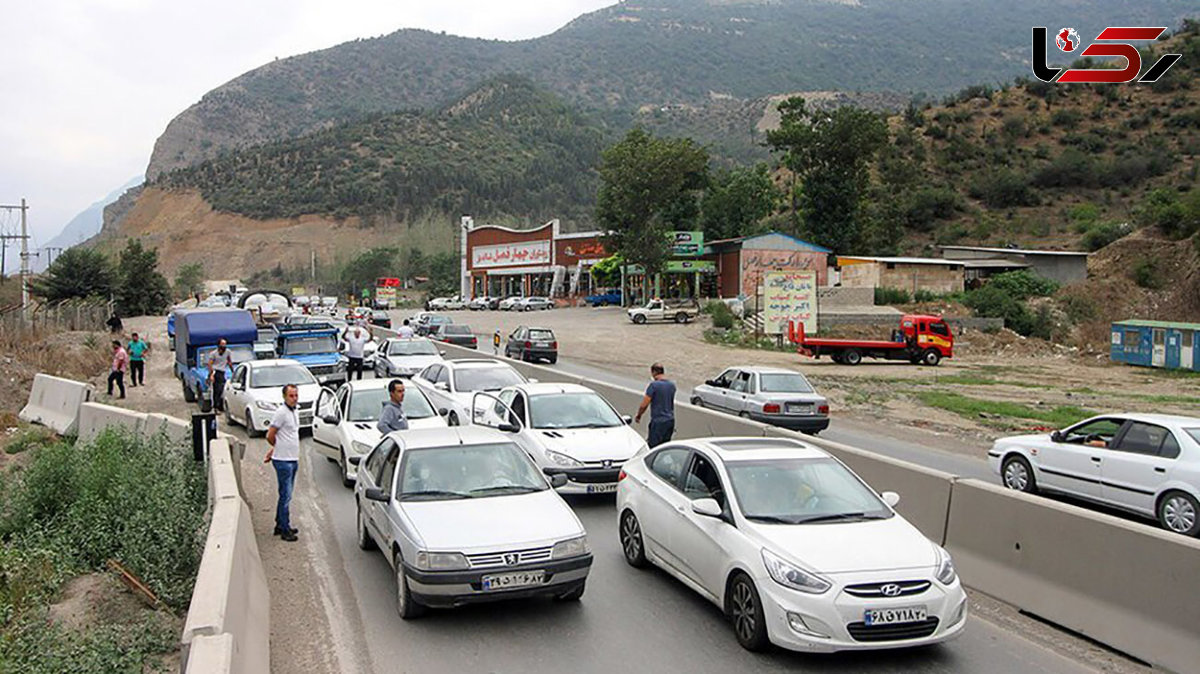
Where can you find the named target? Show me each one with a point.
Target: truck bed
(856, 343)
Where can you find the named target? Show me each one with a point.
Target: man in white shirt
(284, 437)
(405, 331)
(356, 345)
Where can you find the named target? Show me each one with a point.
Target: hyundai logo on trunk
(890, 590)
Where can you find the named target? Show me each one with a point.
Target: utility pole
(23, 237)
(51, 252)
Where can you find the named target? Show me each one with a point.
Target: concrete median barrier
(1122, 583)
(231, 600)
(94, 418)
(210, 654)
(54, 402)
(175, 430)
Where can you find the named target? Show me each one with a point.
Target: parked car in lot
(344, 424)
(430, 321)
(771, 395)
(452, 383)
(399, 357)
(604, 299)
(508, 303)
(446, 304)
(680, 311)
(481, 303)
(455, 333)
(794, 547)
(1144, 463)
(533, 304)
(256, 391)
(431, 501)
(380, 318)
(568, 429)
(531, 343)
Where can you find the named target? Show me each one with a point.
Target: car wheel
(931, 357)
(697, 402)
(1017, 474)
(631, 541)
(573, 594)
(365, 542)
(639, 319)
(852, 357)
(1179, 512)
(189, 394)
(681, 317)
(604, 303)
(406, 606)
(553, 359)
(344, 465)
(452, 419)
(837, 358)
(746, 613)
(250, 429)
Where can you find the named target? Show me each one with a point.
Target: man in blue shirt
(660, 398)
(392, 418)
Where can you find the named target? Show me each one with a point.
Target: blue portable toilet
(1156, 344)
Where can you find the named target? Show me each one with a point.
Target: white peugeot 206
(796, 549)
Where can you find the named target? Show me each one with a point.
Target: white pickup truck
(680, 311)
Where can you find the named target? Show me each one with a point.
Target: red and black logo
(1118, 38)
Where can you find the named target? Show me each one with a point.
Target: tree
(736, 201)
(189, 280)
(829, 151)
(374, 263)
(649, 187)
(141, 289)
(75, 274)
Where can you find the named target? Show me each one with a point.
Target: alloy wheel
(631, 537)
(745, 618)
(1016, 476)
(1179, 514)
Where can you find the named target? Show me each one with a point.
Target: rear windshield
(541, 334)
(457, 330)
(784, 383)
(486, 378)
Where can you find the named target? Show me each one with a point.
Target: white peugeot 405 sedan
(464, 516)
(796, 549)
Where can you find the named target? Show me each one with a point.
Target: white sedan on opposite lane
(796, 549)
(344, 426)
(256, 391)
(452, 383)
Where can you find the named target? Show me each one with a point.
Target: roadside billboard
(789, 296)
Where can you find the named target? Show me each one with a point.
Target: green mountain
(506, 150)
(617, 60)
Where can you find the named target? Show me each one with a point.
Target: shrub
(1146, 274)
(1003, 188)
(993, 302)
(1080, 308)
(929, 204)
(923, 295)
(722, 315)
(1068, 119)
(1022, 284)
(1071, 168)
(886, 296)
(1101, 234)
(1086, 212)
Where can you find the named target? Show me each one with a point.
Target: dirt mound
(74, 355)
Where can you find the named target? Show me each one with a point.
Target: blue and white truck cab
(197, 332)
(314, 345)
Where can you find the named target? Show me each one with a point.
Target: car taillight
(621, 475)
(474, 340)
(823, 409)
(771, 408)
(528, 345)
(554, 345)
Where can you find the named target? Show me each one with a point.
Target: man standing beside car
(284, 455)
(405, 331)
(356, 345)
(660, 398)
(219, 359)
(392, 417)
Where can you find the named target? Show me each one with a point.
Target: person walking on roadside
(138, 350)
(283, 435)
(660, 398)
(120, 363)
(496, 343)
(405, 331)
(392, 417)
(114, 324)
(219, 359)
(356, 346)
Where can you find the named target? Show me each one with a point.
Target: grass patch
(30, 438)
(747, 340)
(966, 379)
(1061, 416)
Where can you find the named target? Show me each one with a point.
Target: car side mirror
(710, 382)
(1057, 436)
(237, 386)
(707, 507)
(442, 411)
(533, 380)
(354, 460)
(509, 428)
(375, 494)
(558, 480)
(330, 419)
(442, 352)
(441, 386)
(891, 498)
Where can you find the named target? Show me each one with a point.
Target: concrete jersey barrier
(94, 418)
(54, 402)
(1125, 584)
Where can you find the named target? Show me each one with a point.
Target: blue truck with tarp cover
(197, 332)
(313, 345)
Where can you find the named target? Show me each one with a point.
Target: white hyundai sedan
(570, 429)
(256, 391)
(344, 426)
(796, 549)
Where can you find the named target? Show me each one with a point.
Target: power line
(23, 237)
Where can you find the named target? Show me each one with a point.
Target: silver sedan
(768, 394)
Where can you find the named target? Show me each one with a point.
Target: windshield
(366, 405)
(485, 379)
(240, 352)
(797, 491)
(784, 383)
(298, 346)
(413, 348)
(278, 375)
(471, 471)
(571, 410)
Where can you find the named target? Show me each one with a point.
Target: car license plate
(506, 581)
(602, 488)
(894, 616)
(541, 345)
(799, 408)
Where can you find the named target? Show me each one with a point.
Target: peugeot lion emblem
(608, 464)
(890, 590)
(512, 558)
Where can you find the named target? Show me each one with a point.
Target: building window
(1133, 339)
(891, 265)
(1187, 339)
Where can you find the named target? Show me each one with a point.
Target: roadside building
(1156, 344)
(1057, 265)
(543, 261)
(911, 274)
(741, 262)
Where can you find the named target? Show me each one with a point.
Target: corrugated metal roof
(904, 260)
(1015, 251)
(999, 264)
(1159, 324)
(743, 239)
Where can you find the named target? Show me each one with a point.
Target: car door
(427, 379)
(718, 396)
(382, 473)
(235, 392)
(696, 539)
(739, 393)
(516, 342)
(1074, 465)
(323, 432)
(663, 496)
(1136, 464)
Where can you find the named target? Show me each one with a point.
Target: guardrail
(1127, 585)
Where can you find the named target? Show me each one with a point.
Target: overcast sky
(86, 86)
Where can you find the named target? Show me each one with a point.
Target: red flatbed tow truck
(924, 340)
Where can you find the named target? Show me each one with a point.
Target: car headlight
(572, 547)
(441, 561)
(361, 447)
(789, 575)
(946, 575)
(563, 459)
(341, 365)
(266, 405)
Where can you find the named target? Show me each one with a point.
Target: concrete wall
(913, 277)
(862, 275)
(54, 402)
(845, 296)
(1062, 268)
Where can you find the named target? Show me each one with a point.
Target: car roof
(369, 384)
(475, 362)
(271, 362)
(422, 438)
(1164, 419)
(543, 388)
(754, 448)
(763, 369)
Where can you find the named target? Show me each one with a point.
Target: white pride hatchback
(794, 547)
